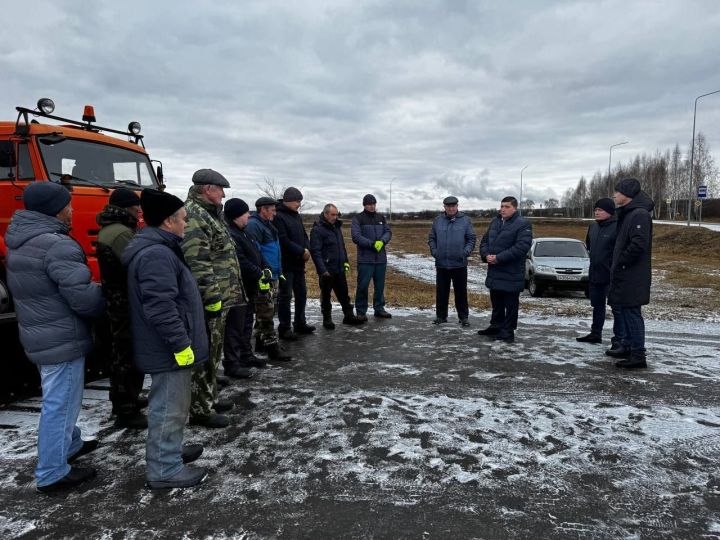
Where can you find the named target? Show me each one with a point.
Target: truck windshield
(89, 163)
(560, 249)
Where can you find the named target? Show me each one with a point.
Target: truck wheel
(533, 288)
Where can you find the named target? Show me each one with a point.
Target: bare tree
(271, 188)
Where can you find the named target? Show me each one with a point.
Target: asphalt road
(401, 429)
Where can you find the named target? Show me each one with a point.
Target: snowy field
(401, 429)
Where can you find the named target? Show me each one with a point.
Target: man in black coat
(327, 247)
(238, 352)
(631, 272)
(504, 248)
(169, 336)
(294, 248)
(600, 241)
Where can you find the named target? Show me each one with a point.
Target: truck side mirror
(160, 178)
(8, 159)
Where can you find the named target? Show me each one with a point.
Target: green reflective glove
(266, 274)
(282, 278)
(346, 269)
(263, 285)
(213, 310)
(378, 245)
(185, 357)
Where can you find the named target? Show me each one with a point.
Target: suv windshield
(560, 249)
(90, 163)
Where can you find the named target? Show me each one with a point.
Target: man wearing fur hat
(55, 300)
(631, 272)
(118, 224)
(210, 254)
(600, 241)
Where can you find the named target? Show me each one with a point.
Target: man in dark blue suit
(504, 247)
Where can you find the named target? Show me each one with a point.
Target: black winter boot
(636, 360)
(590, 338)
(618, 351)
(328, 322)
(277, 354)
(351, 319)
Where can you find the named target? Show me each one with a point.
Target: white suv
(557, 263)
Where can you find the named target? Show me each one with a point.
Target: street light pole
(391, 182)
(610, 159)
(692, 155)
(521, 189)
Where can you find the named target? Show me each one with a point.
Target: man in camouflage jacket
(210, 253)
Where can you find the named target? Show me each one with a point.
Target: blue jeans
(294, 284)
(631, 331)
(598, 301)
(376, 273)
(58, 436)
(168, 407)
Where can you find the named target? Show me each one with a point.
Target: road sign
(698, 203)
(702, 192)
(668, 201)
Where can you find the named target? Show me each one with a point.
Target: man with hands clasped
(169, 336)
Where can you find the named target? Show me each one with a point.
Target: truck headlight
(545, 269)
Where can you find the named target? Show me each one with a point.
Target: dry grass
(690, 258)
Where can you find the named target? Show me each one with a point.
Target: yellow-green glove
(379, 245)
(213, 310)
(185, 357)
(265, 279)
(346, 269)
(282, 278)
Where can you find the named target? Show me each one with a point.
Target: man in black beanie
(118, 224)
(169, 336)
(600, 241)
(631, 272)
(55, 301)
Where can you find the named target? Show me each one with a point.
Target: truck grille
(568, 270)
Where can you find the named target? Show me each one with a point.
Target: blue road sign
(702, 192)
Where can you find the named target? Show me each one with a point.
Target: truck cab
(89, 160)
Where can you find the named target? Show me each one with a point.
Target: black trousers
(293, 285)
(338, 283)
(237, 336)
(443, 278)
(505, 306)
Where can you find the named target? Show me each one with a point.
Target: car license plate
(569, 278)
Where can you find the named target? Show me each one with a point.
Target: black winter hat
(235, 208)
(124, 198)
(292, 194)
(629, 187)
(369, 199)
(157, 206)
(208, 177)
(605, 204)
(265, 201)
(47, 198)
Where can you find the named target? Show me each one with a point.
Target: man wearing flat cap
(600, 241)
(370, 232)
(451, 240)
(55, 300)
(631, 272)
(169, 336)
(295, 249)
(118, 224)
(261, 230)
(210, 254)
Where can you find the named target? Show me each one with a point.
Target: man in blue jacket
(55, 299)
(371, 233)
(169, 336)
(331, 261)
(451, 241)
(504, 248)
(600, 241)
(261, 230)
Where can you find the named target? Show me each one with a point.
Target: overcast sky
(340, 97)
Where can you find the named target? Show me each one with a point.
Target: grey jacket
(451, 240)
(52, 289)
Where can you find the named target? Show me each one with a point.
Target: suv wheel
(533, 288)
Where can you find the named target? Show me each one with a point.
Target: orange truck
(88, 159)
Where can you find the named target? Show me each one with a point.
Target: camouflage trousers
(265, 306)
(204, 392)
(126, 382)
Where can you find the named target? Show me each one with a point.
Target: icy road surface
(407, 430)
